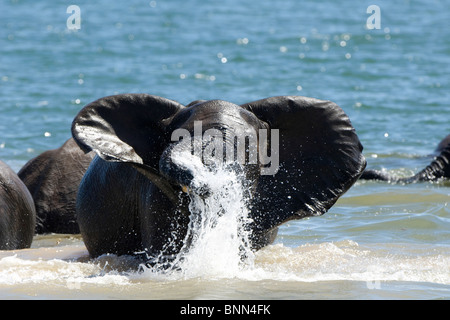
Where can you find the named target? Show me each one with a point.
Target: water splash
(217, 242)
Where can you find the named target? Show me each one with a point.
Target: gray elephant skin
(17, 212)
(131, 200)
(52, 179)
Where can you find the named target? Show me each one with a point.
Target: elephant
(52, 179)
(17, 212)
(438, 169)
(133, 196)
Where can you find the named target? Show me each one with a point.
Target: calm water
(379, 241)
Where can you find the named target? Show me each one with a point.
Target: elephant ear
(320, 158)
(126, 128)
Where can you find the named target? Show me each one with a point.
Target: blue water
(393, 83)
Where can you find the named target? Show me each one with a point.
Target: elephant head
(315, 154)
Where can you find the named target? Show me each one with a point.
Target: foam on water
(348, 260)
(276, 271)
(63, 264)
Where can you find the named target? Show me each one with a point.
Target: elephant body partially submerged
(52, 179)
(131, 198)
(17, 212)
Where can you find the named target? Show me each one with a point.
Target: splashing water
(217, 242)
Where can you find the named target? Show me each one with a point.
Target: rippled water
(379, 241)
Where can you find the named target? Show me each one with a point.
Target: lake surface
(380, 241)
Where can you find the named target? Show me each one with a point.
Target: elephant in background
(52, 179)
(17, 212)
(439, 168)
(131, 198)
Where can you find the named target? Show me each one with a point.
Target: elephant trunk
(183, 164)
(179, 167)
(439, 168)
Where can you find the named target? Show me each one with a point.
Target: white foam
(65, 265)
(347, 260)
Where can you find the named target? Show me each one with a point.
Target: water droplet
(242, 41)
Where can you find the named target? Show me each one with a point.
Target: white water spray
(217, 243)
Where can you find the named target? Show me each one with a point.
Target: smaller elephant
(438, 169)
(17, 212)
(53, 178)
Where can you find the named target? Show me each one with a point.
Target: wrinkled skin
(17, 213)
(131, 198)
(438, 169)
(53, 178)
